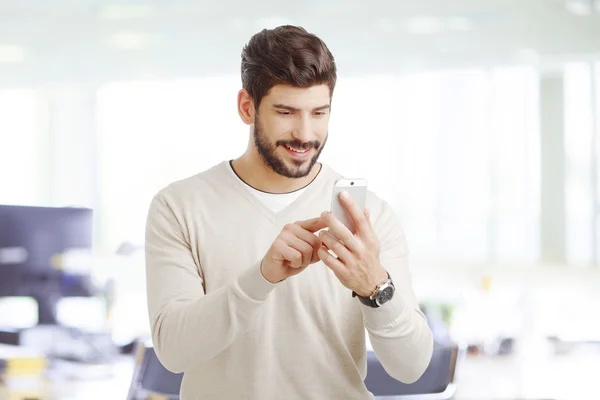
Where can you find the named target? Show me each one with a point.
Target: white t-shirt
(274, 201)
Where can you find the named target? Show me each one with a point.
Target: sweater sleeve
(399, 333)
(188, 326)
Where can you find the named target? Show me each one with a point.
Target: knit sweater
(234, 334)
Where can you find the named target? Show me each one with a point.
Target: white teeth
(296, 150)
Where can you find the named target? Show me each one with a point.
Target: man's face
(292, 129)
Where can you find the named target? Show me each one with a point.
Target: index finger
(313, 224)
(357, 215)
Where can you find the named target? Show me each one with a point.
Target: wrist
(268, 274)
(379, 276)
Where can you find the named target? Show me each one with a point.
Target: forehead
(302, 98)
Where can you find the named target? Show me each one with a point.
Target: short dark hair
(285, 55)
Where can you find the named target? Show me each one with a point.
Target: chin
(299, 170)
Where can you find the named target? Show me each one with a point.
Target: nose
(303, 131)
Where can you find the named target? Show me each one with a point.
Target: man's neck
(255, 173)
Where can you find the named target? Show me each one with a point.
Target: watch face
(385, 295)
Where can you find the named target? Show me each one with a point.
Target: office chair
(151, 380)
(437, 382)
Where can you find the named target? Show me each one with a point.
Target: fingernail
(344, 195)
(324, 213)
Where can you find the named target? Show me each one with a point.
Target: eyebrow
(289, 108)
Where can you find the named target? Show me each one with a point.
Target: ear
(245, 107)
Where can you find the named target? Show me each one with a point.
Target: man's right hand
(293, 250)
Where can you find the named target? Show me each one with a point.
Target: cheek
(321, 127)
(279, 128)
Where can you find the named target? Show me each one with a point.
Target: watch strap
(367, 300)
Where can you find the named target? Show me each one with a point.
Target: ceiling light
(459, 24)
(12, 54)
(129, 11)
(424, 25)
(579, 7)
(130, 41)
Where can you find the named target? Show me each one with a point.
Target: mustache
(298, 144)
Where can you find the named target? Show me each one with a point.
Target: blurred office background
(479, 121)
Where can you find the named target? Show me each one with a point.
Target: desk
(566, 377)
(112, 387)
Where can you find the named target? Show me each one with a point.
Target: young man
(244, 296)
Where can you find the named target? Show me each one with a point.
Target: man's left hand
(357, 264)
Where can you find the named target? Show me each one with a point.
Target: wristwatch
(382, 295)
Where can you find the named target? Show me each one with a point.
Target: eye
(284, 113)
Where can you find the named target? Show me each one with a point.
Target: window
(581, 158)
(153, 133)
(23, 145)
(515, 166)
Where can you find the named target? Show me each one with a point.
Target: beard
(292, 169)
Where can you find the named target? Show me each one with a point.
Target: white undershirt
(274, 201)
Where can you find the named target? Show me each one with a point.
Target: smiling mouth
(295, 150)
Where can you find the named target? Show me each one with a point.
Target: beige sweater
(237, 336)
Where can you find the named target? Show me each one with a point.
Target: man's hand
(293, 250)
(357, 264)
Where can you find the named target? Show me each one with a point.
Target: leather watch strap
(367, 300)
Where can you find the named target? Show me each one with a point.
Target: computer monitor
(35, 243)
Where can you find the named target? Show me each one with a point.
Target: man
(244, 295)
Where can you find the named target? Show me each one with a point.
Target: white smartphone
(357, 188)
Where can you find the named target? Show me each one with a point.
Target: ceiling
(92, 40)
